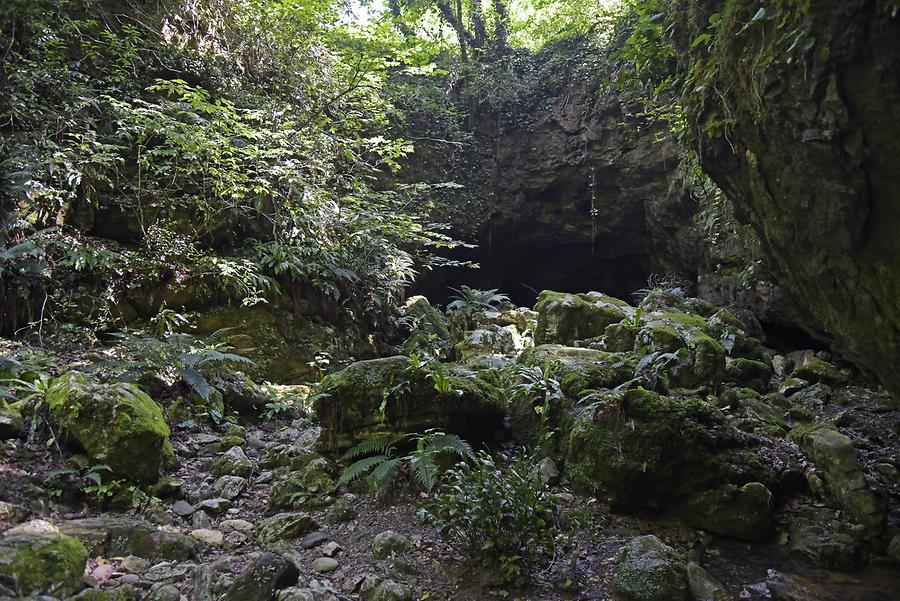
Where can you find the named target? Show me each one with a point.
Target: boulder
(490, 340)
(703, 587)
(638, 449)
(234, 462)
(646, 569)
(389, 543)
(429, 329)
(564, 318)
(37, 559)
(285, 526)
(395, 396)
(118, 536)
(835, 457)
(116, 424)
(741, 512)
(817, 536)
(268, 574)
(11, 423)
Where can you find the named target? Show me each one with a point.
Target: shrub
(505, 517)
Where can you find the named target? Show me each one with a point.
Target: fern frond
(196, 381)
(359, 468)
(384, 474)
(425, 471)
(448, 443)
(369, 447)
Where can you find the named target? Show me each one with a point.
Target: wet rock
(647, 569)
(390, 543)
(742, 512)
(703, 587)
(564, 318)
(114, 536)
(285, 526)
(213, 538)
(323, 565)
(37, 559)
(259, 582)
(834, 455)
(117, 424)
(819, 537)
(233, 463)
(230, 487)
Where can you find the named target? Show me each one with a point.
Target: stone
(123, 592)
(211, 580)
(564, 318)
(168, 572)
(817, 536)
(134, 565)
(388, 590)
(242, 526)
(331, 548)
(323, 565)
(284, 526)
(37, 559)
(166, 488)
(116, 424)
(344, 509)
(235, 540)
(646, 569)
(201, 519)
(183, 508)
(703, 587)
(893, 549)
(115, 536)
(230, 487)
(314, 539)
(214, 506)
(741, 512)
(490, 340)
(547, 470)
(265, 576)
(11, 423)
(234, 462)
(835, 457)
(817, 370)
(163, 592)
(295, 593)
(389, 543)
(12, 513)
(213, 538)
(429, 329)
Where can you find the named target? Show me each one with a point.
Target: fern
(196, 381)
(382, 447)
(382, 476)
(361, 467)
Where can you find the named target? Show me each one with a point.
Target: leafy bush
(471, 300)
(505, 516)
(383, 467)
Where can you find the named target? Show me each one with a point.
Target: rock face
(36, 559)
(796, 133)
(117, 424)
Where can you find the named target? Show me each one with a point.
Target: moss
(620, 337)
(754, 374)
(643, 450)
(648, 570)
(40, 560)
(685, 319)
(116, 424)
(741, 512)
(820, 371)
(564, 318)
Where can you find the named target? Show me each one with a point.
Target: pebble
(330, 549)
(323, 565)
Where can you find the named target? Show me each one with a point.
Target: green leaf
(196, 381)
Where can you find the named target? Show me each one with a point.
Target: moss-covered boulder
(11, 423)
(37, 559)
(119, 536)
(748, 372)
(394, 396)
(817, 536)
(637, 449)
(682, 342)
(233, 462)
(116, 424)
(564, 318)
(285, 526)
(579, 369)
(817, 370)
(835, 457)
(503, 341)
(647, 569)
(743, 512)
(429, 329)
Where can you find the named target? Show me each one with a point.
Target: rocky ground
(775, 472)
